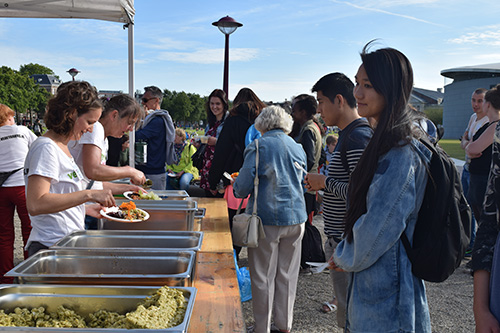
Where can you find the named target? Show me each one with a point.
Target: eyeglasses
(145, 100)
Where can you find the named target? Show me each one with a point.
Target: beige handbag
(247, 228)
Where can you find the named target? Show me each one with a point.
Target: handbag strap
(255, 181)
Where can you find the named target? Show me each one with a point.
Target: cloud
(488, 58)
(369, 7)
(488, 35)
(13, 57)
(395, 3)
(275, 90)
(209, 56)
(110, 32)
(167, 43)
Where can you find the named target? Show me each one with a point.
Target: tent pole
(131, 89)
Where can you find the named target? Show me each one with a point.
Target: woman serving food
(55, 195)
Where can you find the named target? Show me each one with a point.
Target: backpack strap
(424, 139)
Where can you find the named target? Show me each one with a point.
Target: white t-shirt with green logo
(96, 138)
(46, 159)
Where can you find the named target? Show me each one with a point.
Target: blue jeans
(465, 186)
(181, 183)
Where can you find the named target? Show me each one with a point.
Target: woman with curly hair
(55, 192)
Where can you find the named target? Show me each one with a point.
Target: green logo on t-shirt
(72, 175)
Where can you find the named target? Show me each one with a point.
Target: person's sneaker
(305, 271)
(468, 254)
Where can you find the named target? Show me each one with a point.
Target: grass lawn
(452, 147)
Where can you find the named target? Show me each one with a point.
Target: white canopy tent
(108, 10)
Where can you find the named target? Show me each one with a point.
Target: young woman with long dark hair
(385, 194)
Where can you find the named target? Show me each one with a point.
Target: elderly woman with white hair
(274, 264)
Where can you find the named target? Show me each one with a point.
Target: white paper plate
(128, 195)
(171, 174)
(104, 212)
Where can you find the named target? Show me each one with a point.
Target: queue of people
(66, 182)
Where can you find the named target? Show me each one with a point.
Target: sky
(281, 50)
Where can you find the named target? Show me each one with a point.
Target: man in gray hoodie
(158, 132)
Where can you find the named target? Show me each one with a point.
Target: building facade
(48, 82)
(457, 101)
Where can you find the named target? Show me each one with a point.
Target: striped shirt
(337, 180)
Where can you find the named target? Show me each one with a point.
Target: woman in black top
(479, 149)
(228, 155)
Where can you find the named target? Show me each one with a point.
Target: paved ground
(450, 302)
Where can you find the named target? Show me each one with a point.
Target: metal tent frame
(121, 11)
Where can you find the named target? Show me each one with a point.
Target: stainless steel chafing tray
(164, 195)
(107, 267)
(168, 215)
(84, 300)
(132, 239)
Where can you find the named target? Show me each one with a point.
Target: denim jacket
(383, 294)
(280, 200)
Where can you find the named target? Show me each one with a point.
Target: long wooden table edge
(218, 304)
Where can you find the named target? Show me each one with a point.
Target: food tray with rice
(95, 308)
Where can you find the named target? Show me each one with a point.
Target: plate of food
(127, 212)
(172, 174)
(141, 196)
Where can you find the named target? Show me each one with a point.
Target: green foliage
(435, 114)
(19, 92)
(183, 106)
(31, 69)
(453, 148)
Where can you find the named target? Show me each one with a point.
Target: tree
(198, 103)
(31, 69)
(435, 114)
(180, 106)
(20, 92)
(184, 107)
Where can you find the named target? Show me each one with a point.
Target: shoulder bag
(247, 228)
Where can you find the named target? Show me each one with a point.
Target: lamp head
(227, 25)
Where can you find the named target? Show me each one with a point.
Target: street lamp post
(227, 25)
(73, 72)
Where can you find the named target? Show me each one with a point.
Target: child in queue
(180, 175)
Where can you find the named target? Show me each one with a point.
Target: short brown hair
(5, 113)
(71, 96)
(126, 106)
(493, 96)
(331, 139)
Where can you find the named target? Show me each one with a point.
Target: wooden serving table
(218, 304)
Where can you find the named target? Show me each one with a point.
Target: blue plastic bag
(244, 283)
